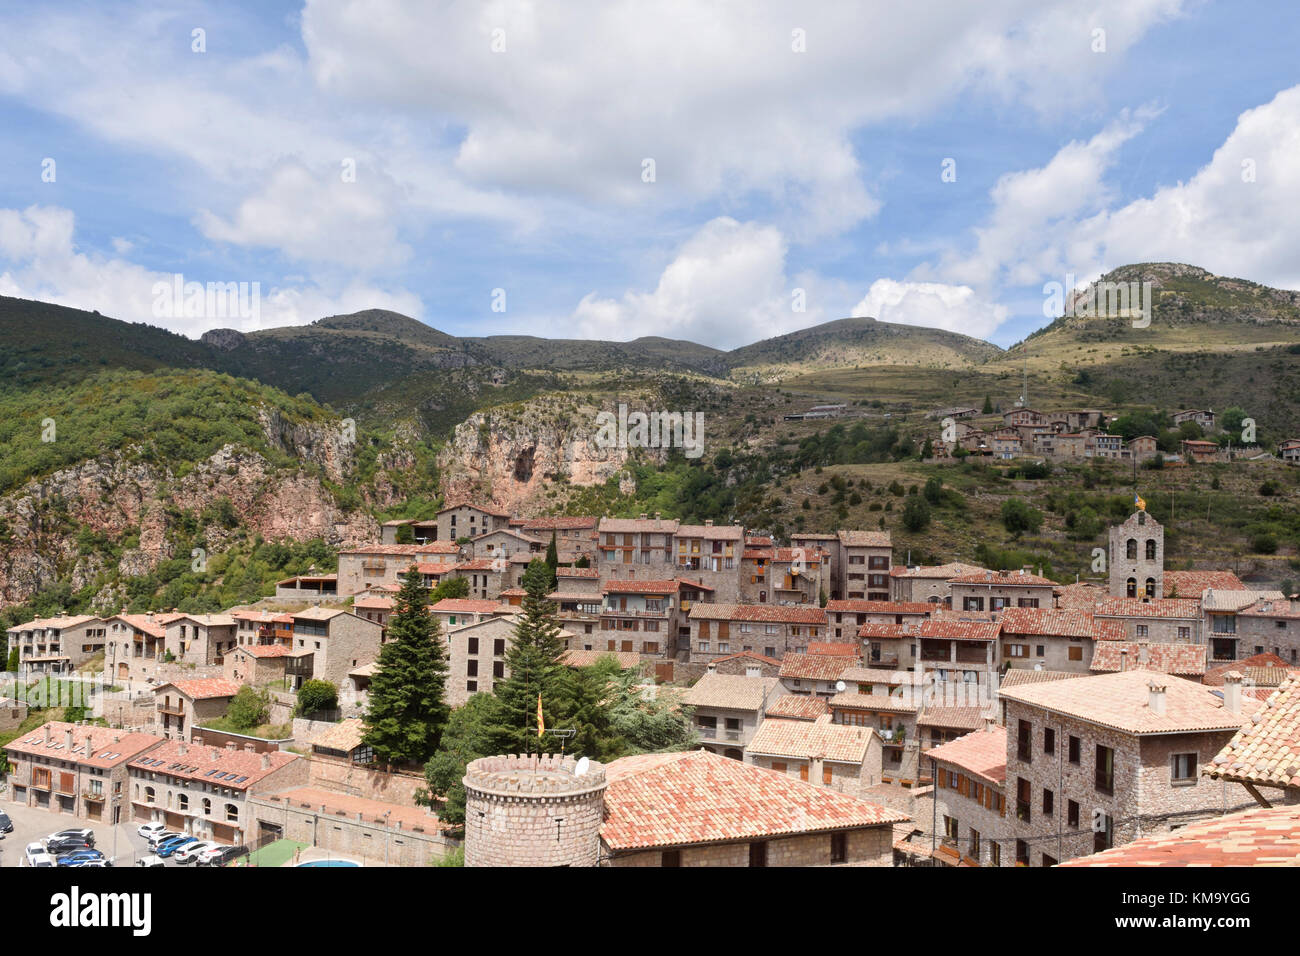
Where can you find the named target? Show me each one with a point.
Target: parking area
(31, 825)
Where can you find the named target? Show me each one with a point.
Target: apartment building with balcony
(962, 653)
(75, 769)
(579, 601)
(637, 548)
(1096, 762)
(182, 705)
(893, 718)
(640, 617)
(863, 563)
(57, 645)
(262, 627)
(969, 811)
(328, 643)
(845, 618)
(372, 565)
(203, 791)
(718, 630)
(727, 710)
(710, 554)
(1224, 622)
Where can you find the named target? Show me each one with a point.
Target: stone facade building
(328, 643)
(637, 548)
(728, 710)
(1137, 558)
(842, 757)
(969, 809)
(862, 563)
(718, 630)
(994, 590)
(56, 645)
(182, 705)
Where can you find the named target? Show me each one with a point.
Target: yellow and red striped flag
(541, 721)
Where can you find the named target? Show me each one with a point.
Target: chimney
(1156, 698)
(1232, 692)
(231, 745)
(67, 740)
(266, 762)
(215, 754)
(708, 522)
(250, 747)
(1123, 659)
(815, 770)
(180, 749)
(47, 735)
(643, 516)
(90, 750)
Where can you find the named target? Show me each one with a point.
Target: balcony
(708, 733)
(175, 710)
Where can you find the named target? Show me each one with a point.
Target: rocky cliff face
(115, 496)
(509, 455)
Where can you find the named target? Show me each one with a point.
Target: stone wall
(342, 776)
(872, 846)
(352, 835)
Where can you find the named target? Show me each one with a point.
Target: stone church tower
(1137, 558)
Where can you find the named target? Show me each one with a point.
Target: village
(847, 710)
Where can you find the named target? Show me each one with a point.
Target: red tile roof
(806, 739)
(560, 523)
(1047, 622)
(798, 707)
(942, 572)
(751, 655)
(1267, 750)
(983, 753)
(577, 573)
(1185, 660)
(763, 613)
(815, 666)
(1190, 584)
(108, 747)
(1162, 608)
(834, 649)
(203, 688)
(635, 586)
(884, 631)
(468, 605)
(223, 767)
(958, 718)
(855, 606)
(884, 703)
(865, 539)
(1003, 579)
(1255, 837)
(264, 650)
(699, 797)
(1270, 662)
(960, 630)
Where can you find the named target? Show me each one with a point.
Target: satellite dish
(840, 685)
(581, 769)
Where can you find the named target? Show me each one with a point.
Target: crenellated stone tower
(1137, 558)
(533, 810)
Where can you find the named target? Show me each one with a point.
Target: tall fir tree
(535, 669)
(553, 561)
(408, 710)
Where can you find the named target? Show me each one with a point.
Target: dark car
(59, 847)
(6, 825)
(221, 856)
(84, 834)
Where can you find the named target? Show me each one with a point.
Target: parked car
(150, 830)
(35, 855)
(93, 864)
(190, 853)
(162, 837)
(171, 846)
(6, 825)
(59, 847)
(149, 859)
(220, 856)
(81, 856)
(84, 834)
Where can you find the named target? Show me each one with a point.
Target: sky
(714, 171)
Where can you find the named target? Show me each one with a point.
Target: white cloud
(37, 243)
(725, 287)
(933, 305)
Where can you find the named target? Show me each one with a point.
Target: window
(1185, 633)
(1023, 795)
(1183, 769)
(1017, 650)
(1024, 734)
(1074, 749)
(758, 853)
(498, 670)
(1141, 630)
(1049, 803)
(1022, 853)
(1131, 549)
(839, 847)
(471, 668)
(995, 854)
(232, 813)
(1071, 813)
(1103, 834)
(473, 645)
(1040, 651)
(1075, 653)
(1105, 769)
(671, 858)
(974, 844)
(779, 767)
(950, 828)
(471, 685)
(1151, 549)
(499, 647)
(1049, 740)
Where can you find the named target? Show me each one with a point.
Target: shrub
(315, 696)
(916, 514)
(1018, 517)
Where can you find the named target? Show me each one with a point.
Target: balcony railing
(709, 733)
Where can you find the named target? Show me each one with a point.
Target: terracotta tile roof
(577, 573)
(262, 617)
(633, 525)
(1190, 584)
(797, 707)
(580, 658)
(871, 629)
(1003, 579)
(982, 752)
(725, 532)
(1185, 660)
(142, 622)
(757, 554)
(263, 650)
(865, 539)
(469, 605)
(349, 807)
(223, 767)
(373, 603)
(1266, 751)
(345, 735)
(960, 630)
(730, 691)
(1018, 676)
(1081, 596)
(1180, 608)
(852, 700)
(834, 649)
(758, 540)
(635, 586)
(1121, 702)
(807, 739)
(815, 666)
(403, 550)
(880, 675)
(700, 797)
(751, 655)
(1267, 664)
(763, 613)
(1274, 608)
(108, 747)
(318, 613)
(560, 523)
(959, 718)
(58, 623)
(1255, 837)
(519, 535)
(942, 572)
(203, 688)
(1047, 622)
(855, 606)
(467, 503)
(1215, 600)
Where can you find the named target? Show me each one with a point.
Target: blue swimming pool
(330, 863)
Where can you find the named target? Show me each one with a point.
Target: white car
(150, 860)
(188, 854)
(160, 837)
(150, 830)
(36, 856)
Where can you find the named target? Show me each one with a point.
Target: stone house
(893, 719)
(181, 705)
(504, 542)
(1159, 621)
(728, 709)
(969, 809)
(747, 664)
(1201, 416)
(457, 612)
(575, 535)
(718, 630)
(134, 646)
(637, 548)
(477, 657)
(1289, 450)
(75, 769)
(202, 639)
(312, 588)
(328, 643)
(57, 645)
(826, 547)
(255, 664)
(926, 583)
(699, 809)
(1061, 640)
(842, 757)
(640, 617)
(711, 554)
(460, 520)
(1198, 451)
(862, 563)
(1181, 660)
(1095, 762)
(994, 590)
(845, 618)
(1224, 622)
(204, 791)
(963, 653)
(816, 675)
(1143, 447)
(1270, 626)
(368, 566)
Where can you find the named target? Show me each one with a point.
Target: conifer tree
(407, 709)
(533, 660)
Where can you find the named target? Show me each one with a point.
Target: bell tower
(1137, 558)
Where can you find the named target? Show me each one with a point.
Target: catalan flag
(1138, 502)
(541, 721)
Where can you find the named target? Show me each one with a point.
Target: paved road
(31, 824)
